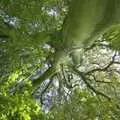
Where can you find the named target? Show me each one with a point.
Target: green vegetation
(59, 59)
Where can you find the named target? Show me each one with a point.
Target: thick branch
(44, 90)
(58, 57)
(68, 84)
(46, 75)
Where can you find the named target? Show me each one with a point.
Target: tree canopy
(59, 59)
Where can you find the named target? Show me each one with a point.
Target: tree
(52, 40)
(82, 28)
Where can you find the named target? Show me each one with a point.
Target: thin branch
(100, 81)
(103, 69)
(82, 75)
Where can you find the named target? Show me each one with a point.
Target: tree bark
(86, 20)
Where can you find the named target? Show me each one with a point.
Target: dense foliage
(59, 60)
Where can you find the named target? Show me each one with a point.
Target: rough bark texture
(86, 20)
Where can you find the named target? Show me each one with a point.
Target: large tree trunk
(86, 20)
